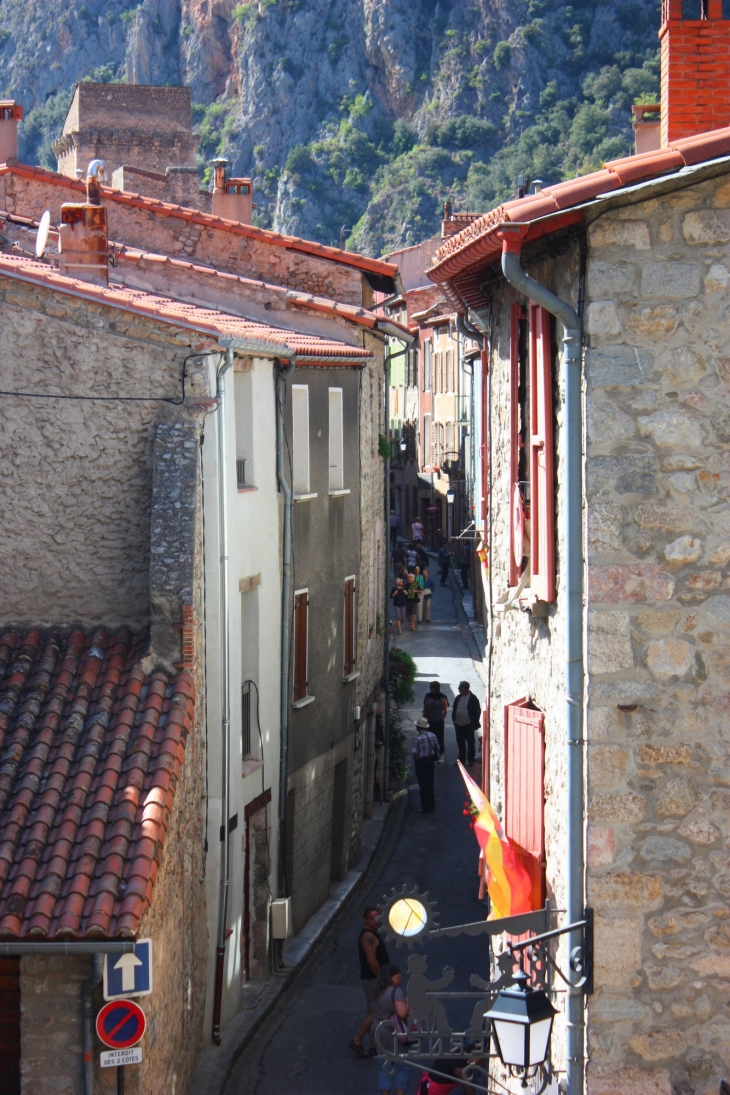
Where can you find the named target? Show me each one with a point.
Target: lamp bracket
(580, 959)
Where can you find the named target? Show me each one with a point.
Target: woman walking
(413, 596)
(400, 602)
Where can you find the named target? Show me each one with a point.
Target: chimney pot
(232, 198)
(83, 237)
(10, 114)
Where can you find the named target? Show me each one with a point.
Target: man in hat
(425, 751)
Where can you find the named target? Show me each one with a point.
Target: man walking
(444, 558)
(373, 956)
(425, 750)
(394, 525)
(428, 587)
(435, 706)
(417, 530)
(467, 716)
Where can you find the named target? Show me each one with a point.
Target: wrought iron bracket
(580, 959)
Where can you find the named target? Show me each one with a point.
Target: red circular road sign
(120, 1024)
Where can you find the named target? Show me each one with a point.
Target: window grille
(246, 720)
(241, 473)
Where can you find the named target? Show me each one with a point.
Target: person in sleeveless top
(373, 956)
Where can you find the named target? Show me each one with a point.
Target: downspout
(468, 330)
(284, 372)
(511, 245)
(87, 1025)
(220, 953)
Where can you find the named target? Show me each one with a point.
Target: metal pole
(120, 1079)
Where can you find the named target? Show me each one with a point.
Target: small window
(301, 644)
(449, 370)
(427, 361)
(246, 704)
(694, 9)
(241, 474)
(412, 367)
(725, 9)
(243, 405)
(300, 438)
(350, 644)
(336, 441)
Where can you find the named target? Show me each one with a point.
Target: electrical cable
(117, 398)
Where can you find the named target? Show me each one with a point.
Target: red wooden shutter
(524, 796)
(514, 426)
(484, 448)
(349, 666)
(542, 494)
(301, 627)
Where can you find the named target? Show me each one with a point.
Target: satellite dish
(41, 240)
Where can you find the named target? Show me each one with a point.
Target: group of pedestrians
(428, 745)
(411, 597)
(386, 1001)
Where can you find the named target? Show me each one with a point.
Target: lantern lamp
(450, 496)
(522, 1021)
(403, 444)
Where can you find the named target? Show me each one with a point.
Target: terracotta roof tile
(256, 337)
(194, 216)
(479, 241)
(92, 750)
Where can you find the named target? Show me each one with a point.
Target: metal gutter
(512, 236)
(101, 946)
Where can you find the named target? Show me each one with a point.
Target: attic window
(694, 9)
(238, 188)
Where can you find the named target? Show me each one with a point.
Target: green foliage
(40, 127)
(129, 17)
(385, 449)
(402, 675)
(244, 13)
(398, 752)
(502, 55)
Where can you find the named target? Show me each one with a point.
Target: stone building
(641, 252)
(202, 312)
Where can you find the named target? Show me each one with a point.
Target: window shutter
(427, 441)
(300, 439)
(524, 776)
(484, 447)
(514, 425)
(301, 627)
(349, 666)
(542, 493)
(336, 441)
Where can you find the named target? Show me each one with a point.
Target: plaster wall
(254, 560)
(186, 238)
(658, 639)
(76, 490)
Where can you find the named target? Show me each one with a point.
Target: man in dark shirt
(467, 716)
(373, 956)
(435, 706)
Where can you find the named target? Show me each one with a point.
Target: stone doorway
(256, 895)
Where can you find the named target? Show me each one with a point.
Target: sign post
(120, 1026)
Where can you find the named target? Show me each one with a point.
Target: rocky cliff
(356, 118)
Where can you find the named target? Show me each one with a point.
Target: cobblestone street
(302, 1047)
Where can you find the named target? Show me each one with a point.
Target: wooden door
(9, 1026)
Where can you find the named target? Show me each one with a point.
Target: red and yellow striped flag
(508, 883)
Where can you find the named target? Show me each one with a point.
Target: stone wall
(658, 489)
(184, 237)
(51, 1040)
(528, 651)
(76, 489)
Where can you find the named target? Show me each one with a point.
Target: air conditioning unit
(281, 927)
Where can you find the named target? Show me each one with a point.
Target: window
(427, 441)
(438, 378)
(524, 795)
(243, 408)
(427, 364)
(694, 9)
(449, 452)
(542, 499)
(412, 367)
(336, 449)
(300, 437)
(301, 644)
(246, 720)
(350, 644)
(449, 370)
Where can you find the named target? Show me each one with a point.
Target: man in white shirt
(417, 529)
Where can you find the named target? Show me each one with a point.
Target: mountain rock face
(356, 118)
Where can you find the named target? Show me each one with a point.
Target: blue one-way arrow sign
(129, 974)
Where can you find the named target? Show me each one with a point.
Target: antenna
(41, 240)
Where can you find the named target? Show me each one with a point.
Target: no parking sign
(120, 1024)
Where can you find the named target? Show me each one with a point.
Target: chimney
(695, 52)
(647, 131)
(83, 240)
(10, 114)
(232, 198)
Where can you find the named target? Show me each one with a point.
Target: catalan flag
(508, 883)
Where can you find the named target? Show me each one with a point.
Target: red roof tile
(76, 789)
(479, 242)
(260, 338)
(194, 216)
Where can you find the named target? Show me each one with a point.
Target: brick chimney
(695, 51)
(647, 130)
(232, 198)
(83, 239)
(10, 114)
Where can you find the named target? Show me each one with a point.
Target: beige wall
(658, 481)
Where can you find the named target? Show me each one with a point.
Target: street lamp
(403, 444)
(522, 1021)
(450, 496)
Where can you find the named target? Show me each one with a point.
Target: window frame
(349, 645)
(300, 649)
(336, 482)
(301, 483)
(542, 488)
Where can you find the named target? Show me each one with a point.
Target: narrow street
(302, 1047)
